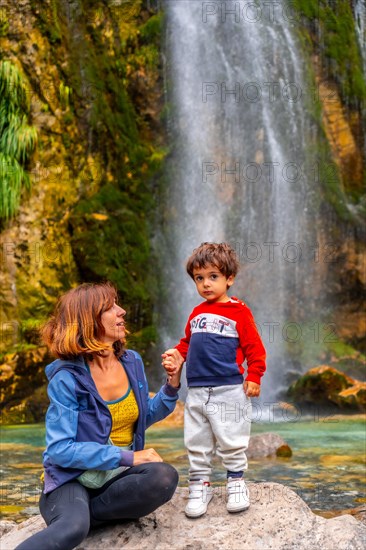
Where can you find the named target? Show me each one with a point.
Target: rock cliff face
(277, 519)
(328, 30)
(92, 72)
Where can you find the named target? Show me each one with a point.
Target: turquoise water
(327, 468)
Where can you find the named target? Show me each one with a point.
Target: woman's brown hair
(75, 327)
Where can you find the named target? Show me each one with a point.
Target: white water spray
(240, 171)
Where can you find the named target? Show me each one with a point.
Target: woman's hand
(147, 455)
(173, 363)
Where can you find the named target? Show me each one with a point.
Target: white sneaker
(200, 495)
(238, 495)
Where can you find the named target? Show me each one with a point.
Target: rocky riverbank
(277, 519)
(327, 387)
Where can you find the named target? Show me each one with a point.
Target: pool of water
(327, 468)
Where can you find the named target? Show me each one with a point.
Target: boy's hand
(252, 389)
(172, 361)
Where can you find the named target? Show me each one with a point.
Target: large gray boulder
(277, 519)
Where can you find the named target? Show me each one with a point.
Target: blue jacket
(78, 422)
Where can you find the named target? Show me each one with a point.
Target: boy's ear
(230, 280)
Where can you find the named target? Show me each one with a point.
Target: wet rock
(268, 444)
(359, 513)
(22, 386)
(338, 128)
(277, 519)
(328, 387)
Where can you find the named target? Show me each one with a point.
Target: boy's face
(211, 284)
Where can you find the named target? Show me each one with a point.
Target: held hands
(252, 389)
(173, 363)
(147, 455)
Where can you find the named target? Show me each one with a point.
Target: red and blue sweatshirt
(219, 337)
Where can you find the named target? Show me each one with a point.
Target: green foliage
(342, 349)
(143, 339)
(113, 152)
(4, 23)
(12, 179)
(12, 87)
(17, 139)
(65, 93)
(329, 177)
(49, 19)
(332, 29)
(110, 241)
(327, 31)
(308, 8)
(66, 141)
(107, 229)
(152, 29)
(341, 49)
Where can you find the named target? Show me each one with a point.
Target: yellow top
(124, 413)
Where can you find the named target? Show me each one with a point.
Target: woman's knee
(164, 479)
(74, 533)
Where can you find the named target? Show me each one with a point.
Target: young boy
(220, 334)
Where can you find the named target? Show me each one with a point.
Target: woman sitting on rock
(96, 469)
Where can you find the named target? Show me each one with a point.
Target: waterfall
(240, 169)
(359, 10)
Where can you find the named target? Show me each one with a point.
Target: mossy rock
(284, 451)
(328, 387)
(22, 385)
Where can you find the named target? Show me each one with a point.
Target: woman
(96, 469)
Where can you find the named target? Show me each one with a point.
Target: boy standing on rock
(220, 334)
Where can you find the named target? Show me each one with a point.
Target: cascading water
(240, 169)
(359, 10)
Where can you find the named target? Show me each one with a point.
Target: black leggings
(71, 510)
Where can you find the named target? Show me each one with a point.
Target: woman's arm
(163, 403)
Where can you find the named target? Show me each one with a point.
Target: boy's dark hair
(220, 255)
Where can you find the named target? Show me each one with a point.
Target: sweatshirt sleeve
(183, 345)
(252, 347)
(61, 428)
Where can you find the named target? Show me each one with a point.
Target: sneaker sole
(238, 509)
(192, 516)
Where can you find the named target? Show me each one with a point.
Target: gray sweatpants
(216, 420)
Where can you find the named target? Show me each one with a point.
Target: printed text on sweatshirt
(219, 337)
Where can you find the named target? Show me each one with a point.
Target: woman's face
(112, 321)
